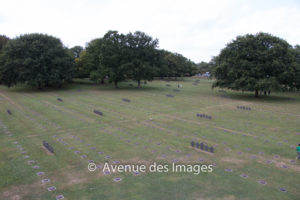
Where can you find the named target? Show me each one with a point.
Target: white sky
(197, 29)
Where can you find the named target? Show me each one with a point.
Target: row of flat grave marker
(98, 112)
(45, 180)
(202, 146)
(48, 146)
(243, 108)
(204, 116)
(126, 100)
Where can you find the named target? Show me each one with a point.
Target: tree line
(40, 60)
(253, 62)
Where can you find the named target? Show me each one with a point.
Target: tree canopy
(3, 40)
(38, 60)
(257, 62)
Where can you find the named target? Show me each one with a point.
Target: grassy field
(152, 127)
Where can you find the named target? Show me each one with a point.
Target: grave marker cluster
(202, 146)
(48, 146)
(204, 116)
(243, 108)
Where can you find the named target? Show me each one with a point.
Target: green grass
(272, 127)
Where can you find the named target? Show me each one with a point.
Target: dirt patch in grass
(18, 192)
(233, 160)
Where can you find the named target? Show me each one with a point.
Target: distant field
(153, 127)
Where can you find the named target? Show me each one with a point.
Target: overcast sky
(195, 28)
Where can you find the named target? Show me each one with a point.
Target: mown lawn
(152, 127)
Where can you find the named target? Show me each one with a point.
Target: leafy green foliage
(176, 65)
(37, 60)
(3, 41)
(254, 63)
(141, 56)
(76, 50)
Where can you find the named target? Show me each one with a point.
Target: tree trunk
(116, 84)
(265, 92)
(102, 81)
(139, 83)
(256, 93)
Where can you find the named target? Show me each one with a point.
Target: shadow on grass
(84, 85)
(273, 98)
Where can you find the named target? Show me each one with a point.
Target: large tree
(256, 63)
(142, 57)
(37, 60)
(113, 57)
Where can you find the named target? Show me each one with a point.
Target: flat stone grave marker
(46, 180)
(262, 182)
(52, 188)
(58, 197)
(282, 189)
(31, 162)
(244, 175)
(117, 179)
(59, 99)
(169, 95)
(40, 173)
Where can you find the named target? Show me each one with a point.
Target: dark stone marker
(9, 112)
(98, 112)
(205, 147)
(192, 143)
(126, 100)
(201, 146)
(211, 149)
(48, 146)
(59, 99)
(197, 145)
